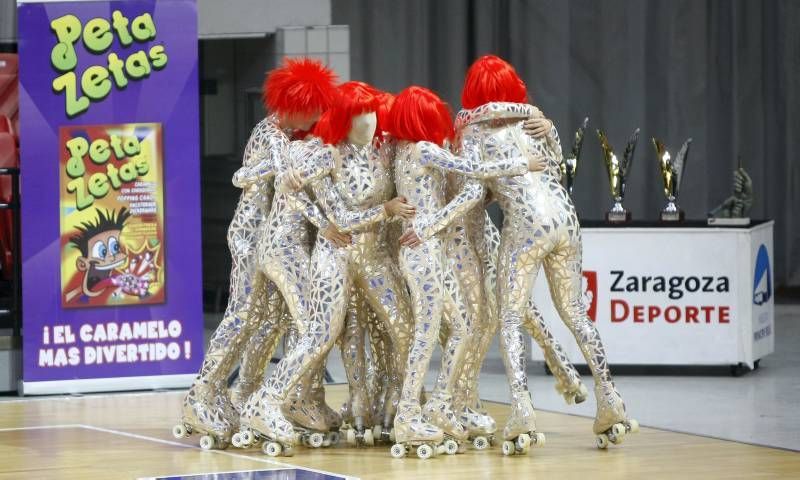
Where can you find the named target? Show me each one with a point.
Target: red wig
(299, 86)
(387, 100)
(492, 79)
(418, 115)
(352, 99)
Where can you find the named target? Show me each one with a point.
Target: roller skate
(239, 392)
(329, 415)
(311, 429)
(480, 427)
(209, 413)
(264, 423)
(384, 432)
(568, 382)
(439, 411)
(413, 433)
(355, 432)
(611, 424)
(520, 432)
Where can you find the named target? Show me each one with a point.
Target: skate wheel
(618, 429)
(480, 443)
(377, 432)
(369, 439)
(236, 440)
(397, 451)
(602, 441)
(207, 442)
(450, 446)
(633, 425)
(248, 438)
(335, 437)
(539, 439)
(272, 449)
(523, 441)
(180, 431)
(351, 437)
(315, 440)
(615, 439)
(508, 448)
(425, 452)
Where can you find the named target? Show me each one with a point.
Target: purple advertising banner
(109, 131)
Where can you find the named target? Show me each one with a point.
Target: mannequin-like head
(492, 79)
(418, 115)
(352, 117)
(298, 92)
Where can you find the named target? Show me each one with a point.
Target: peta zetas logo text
(98, 35)
(670, 289)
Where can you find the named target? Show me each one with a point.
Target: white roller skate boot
(413, 432)
(611, 423)
(520, 432)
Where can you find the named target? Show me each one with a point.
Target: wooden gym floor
(128, 436)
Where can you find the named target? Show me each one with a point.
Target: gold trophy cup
(617, 175)
(671, 174)
(569, 168)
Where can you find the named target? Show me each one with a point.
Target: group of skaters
(362, 223)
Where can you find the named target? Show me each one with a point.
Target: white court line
(86, 396)
(280, 465)
(43, 427)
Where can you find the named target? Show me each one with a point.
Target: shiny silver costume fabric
(540, 229)
(351, 187)
(206, 407)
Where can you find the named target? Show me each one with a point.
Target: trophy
(569, 167)
(617, 175)
(672, 175)
(735, 209)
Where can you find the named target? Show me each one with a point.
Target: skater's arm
(469, 163)
(335, 209)
(310, 160)
(469, 196)
(262, 155)
(301, 202)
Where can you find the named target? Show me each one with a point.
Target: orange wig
(419, 115)
(299, 86)
(352, 99)
(492, 79)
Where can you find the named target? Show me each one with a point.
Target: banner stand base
(117, 384)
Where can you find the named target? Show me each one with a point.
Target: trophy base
(672, 216)
(729, 222)
(618, 217)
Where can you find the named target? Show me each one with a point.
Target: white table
(688, 294)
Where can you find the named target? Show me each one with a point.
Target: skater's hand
(409, 238)
(337, 238)
(537, 163)
(399, 207)
(290, 180)
(537, 127)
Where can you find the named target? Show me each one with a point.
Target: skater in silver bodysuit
(420, 123)
(353, 190)
(296, 93)
(540, 229)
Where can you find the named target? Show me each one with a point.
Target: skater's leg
(329, 295)
(518, 264)
(568, 381)
(563, 270)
